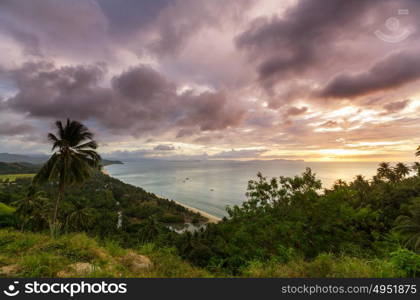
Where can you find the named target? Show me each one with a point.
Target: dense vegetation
(94, 208)
(288, 227)
(291, 220)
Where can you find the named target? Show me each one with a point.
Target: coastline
(211, 218)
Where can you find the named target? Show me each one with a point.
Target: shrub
(407, 261)
(168, 264)
(41, 265)
(325, 265)
(15, 242)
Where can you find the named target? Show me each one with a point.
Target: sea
(211, 185)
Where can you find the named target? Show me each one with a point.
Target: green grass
(38, 255)
(13, 177)
(326, 265)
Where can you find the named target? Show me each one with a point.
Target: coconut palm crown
(401, 170)
(384, 170)
(73, 160)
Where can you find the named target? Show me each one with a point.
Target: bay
(211, 185)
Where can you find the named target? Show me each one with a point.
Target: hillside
(95, 207)
(32, 159)
(18, 168)
(77, 255)
(25, 254)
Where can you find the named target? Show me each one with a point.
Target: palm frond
(60, 129)
(90, 144)
(48, 171)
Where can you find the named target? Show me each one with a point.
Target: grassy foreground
(26, 254)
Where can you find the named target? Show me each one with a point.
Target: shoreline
(211, 218)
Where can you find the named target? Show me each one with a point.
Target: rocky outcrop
(135, 262)
(9, 270)
(78, 269)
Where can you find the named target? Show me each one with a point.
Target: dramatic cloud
(15, 129)
(181, 20)
(391, 72)
(138, 101)
(300, 79)
(394, 107)
(127, 17)
(44, 27)
(210, 111)
(299, 39)
(295, 111)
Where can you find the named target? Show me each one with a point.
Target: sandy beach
(211, 218)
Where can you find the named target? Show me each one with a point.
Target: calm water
(212, 185)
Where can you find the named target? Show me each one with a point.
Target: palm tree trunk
(59, 197)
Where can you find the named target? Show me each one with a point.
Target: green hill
(25, 254)
(77, 255)
(95, 206)
(32, 159)
(18, 168)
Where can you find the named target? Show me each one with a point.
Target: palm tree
(416, 167)
(401, 170)
(81, 218)
(73, 160)
(418, 151)
(410, 227)
(33, 209)
(384, 170)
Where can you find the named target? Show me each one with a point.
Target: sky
(315, 80)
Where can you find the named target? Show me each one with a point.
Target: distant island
(107, 162)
